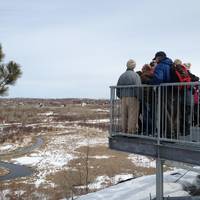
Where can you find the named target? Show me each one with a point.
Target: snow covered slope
(141, 188)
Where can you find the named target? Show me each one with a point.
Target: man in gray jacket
(130, 97)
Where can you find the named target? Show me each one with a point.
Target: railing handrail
(130, 86)
(162, 84)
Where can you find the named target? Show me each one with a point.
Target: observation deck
(168, 124)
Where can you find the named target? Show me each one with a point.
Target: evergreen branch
(9, 73)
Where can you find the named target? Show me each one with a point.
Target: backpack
(179, 73)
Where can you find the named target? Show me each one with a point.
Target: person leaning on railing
(195, 92)
(185, 97)
(129, 97)
(193, 77)
(147, 105)
(181, 104)
(162, 74)
(162, 69)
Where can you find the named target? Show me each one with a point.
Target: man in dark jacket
(130, 97)
(162, 74)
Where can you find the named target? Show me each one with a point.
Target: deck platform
(166, 150)
(169, 126)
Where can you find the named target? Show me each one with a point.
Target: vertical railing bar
(184, 110)
(114, 112)
(139, 99)
(165, 109)
(142, 117)
(159, 110)
(155, 111)
(191, 110)
(162, 111)
(162, 114)
(172, 113)
(147, 107)
(118, 114)
(198, 110)
(137, 114)
(178, 114)
(152, 108)
(111, 110)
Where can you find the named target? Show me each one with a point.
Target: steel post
(159, 179)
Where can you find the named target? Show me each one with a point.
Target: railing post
(112, 96)
(158, 115)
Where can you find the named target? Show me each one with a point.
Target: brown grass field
(74, 153)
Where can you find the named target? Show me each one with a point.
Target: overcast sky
(78, 48)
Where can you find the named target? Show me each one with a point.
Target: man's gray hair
(131, 64)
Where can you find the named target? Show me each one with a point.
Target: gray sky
(76, 48)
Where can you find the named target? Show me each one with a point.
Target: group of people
(160, 70)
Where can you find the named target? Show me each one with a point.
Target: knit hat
(131, 64)
(177, 62)
(187, 65)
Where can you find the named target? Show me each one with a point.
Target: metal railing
(168, 112)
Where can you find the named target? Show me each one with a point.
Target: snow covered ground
(60, 150)
(144, 187)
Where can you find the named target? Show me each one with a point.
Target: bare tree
(86, 165)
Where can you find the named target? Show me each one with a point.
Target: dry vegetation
(3, 171)
(65, 118)
(20, 112)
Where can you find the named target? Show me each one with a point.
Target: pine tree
(9, 73)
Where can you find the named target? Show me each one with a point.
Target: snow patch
(46, 114)
(102, 110)
(100, 157)
(100, 182)
(98, 121)
(27, 160)
(121, 177)
(92, 141)
(6, 147)
(141, 188)
(142, 161)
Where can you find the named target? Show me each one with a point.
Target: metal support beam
(167, 151)
(159, 179)
(159, 164)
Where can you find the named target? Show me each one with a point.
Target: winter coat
(128, 78)
(162, 73)
(146, 78)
